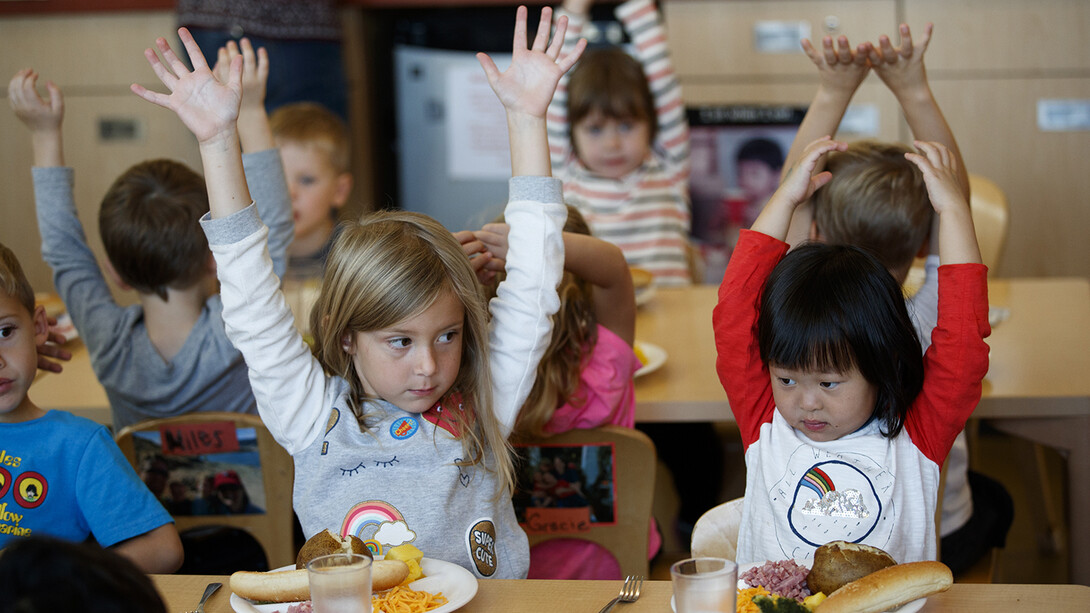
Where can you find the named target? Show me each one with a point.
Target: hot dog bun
(890, 587)
(293, 585)
(838, 563)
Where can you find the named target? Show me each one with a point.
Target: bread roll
(293, 585)
(328, 542)
(838, 563)
(890, 587)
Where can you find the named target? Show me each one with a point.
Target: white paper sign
(477, 146)
(861, 120)
(780, 36)
(1063, 115)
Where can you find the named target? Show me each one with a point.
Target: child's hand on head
(801, 182)
(840, 67)
(35, 112)
(482, 262)
(51, 350)
(206, 106)
(527, 86)
(940, 174)
(255, 71)
(901, 68)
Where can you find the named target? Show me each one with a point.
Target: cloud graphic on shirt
(394, 533)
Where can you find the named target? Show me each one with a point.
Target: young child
(877, 200)
(398, 421)
(313, 143)
(62, 475)
(845, 426)
(585, 378)
(168, 354)
(620, 141)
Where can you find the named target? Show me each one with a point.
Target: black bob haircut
(831, 307)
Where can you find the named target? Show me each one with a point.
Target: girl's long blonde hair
(388, 267)
(575, 330)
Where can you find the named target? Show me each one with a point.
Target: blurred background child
(619, 139)
(168, 354)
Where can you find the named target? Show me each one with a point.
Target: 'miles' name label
(199, 439)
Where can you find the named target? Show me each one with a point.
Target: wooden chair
(199, 432)
(716, 532)
(991, 217)
(633, 489)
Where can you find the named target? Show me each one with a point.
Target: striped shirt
(645, 213)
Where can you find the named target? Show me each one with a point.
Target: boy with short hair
(877, 200)
(63, 475)
(169, 354)
(314, 146)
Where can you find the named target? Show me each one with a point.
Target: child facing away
(397, 422)
(62, 475)
(619, 139)
(877, 200)
(313, 143)
(845, 425)
(585, 378)
(168, 354)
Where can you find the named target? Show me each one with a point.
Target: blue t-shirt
(63, 476)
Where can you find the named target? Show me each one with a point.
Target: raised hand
(206, 106)
(957, 237)
(840, 67)
(255, 70)
(527, 86)
(35, 112)
(797, 186)
(901, 68)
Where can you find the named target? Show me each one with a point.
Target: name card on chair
(198, 438)
(557, 521)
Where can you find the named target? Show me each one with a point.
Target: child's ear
(346, 343)
(344, 188)
(815, 234)
(210, 265)
(41, 325)
(111, 272)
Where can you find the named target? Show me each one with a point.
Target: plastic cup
(340, 583)
(705, 585)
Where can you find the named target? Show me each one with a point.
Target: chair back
(215, 451)
(618, 494)
(991, 217)
(715, 534)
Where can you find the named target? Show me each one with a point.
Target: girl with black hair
(845, 426)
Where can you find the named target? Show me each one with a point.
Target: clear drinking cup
(340, 583)
(705, 585)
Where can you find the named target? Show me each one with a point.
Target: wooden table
(181, 593)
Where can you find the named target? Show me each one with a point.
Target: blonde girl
(397, 421)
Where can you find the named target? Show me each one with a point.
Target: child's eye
(786, 381)
(625, 127)
(7, 331)
(400, 343)
(829, 385)
(307, 180)
(448, 337)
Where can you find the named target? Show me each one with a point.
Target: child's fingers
(165, 76)
(262, 64)
(885, 48)
(906, 41)
(827, 50)
(249, 60)
(558, 37)
(519, 39)
(924, 40)
(191, 47)
(490, 71)
(56, 98)
(171, 59)
(862, 52)
(541, 39)
(152, 97)
(571, 58)
(844, 50)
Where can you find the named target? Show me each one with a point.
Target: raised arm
(957, 237)
(841, 69)
(643, 22)
(577, 13)
(526, 88)
(798, 185)
(42, 117)
(902, 70)
(210, 110)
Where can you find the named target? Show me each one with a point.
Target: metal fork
(208, 591)
(630, 591)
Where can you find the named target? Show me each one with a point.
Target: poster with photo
(564, 488)
(737, 156)
(202, 469)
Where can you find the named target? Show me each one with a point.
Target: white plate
(908, 607)
(644, 295)
(656, 357)
(457, 584)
